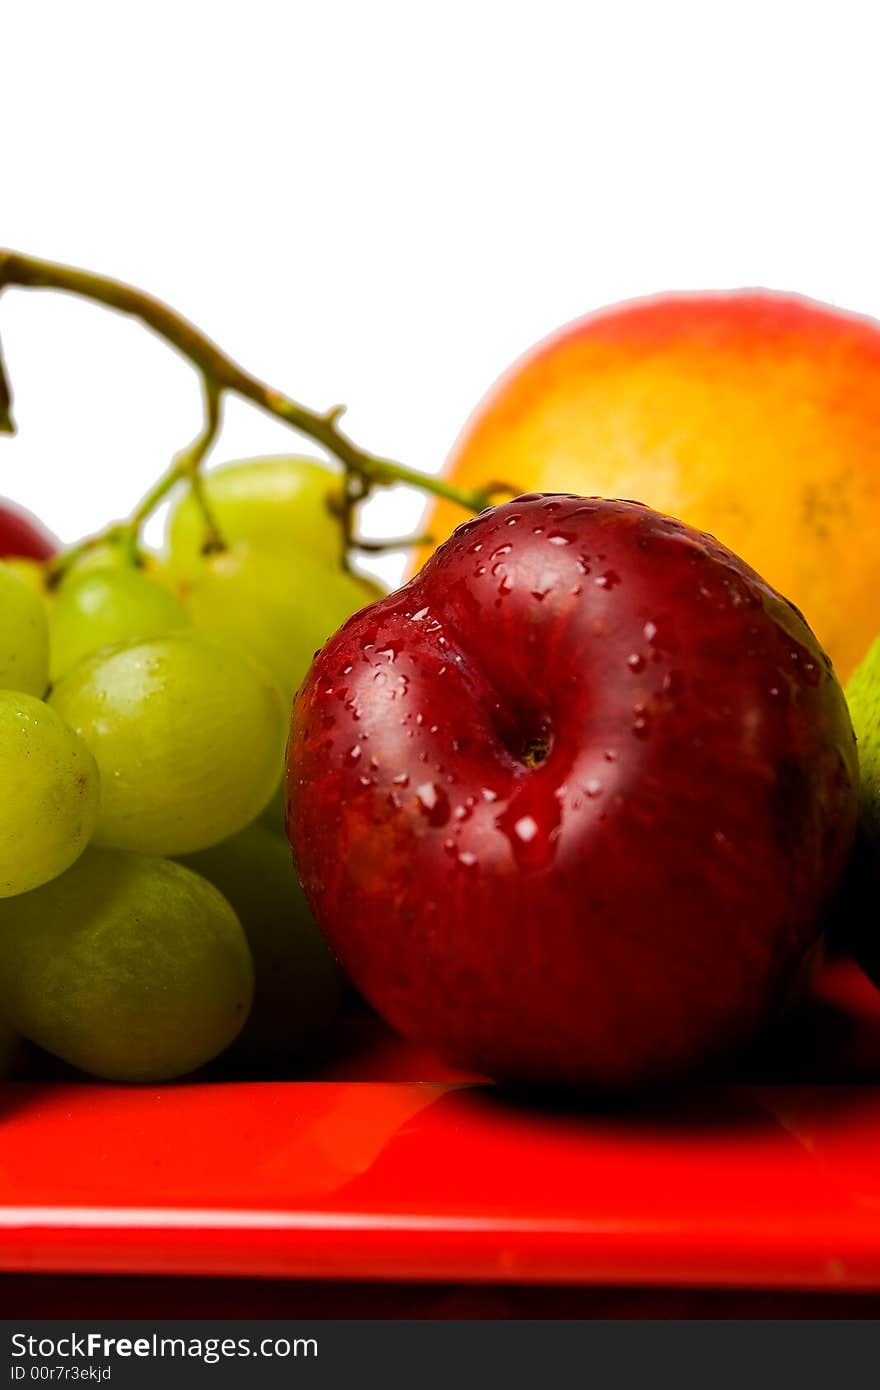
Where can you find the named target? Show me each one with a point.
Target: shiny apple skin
(22, 536)
(634, 904)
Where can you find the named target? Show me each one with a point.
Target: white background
(384, 203)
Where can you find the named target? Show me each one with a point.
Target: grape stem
(219, 374)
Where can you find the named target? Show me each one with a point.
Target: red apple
(21, 535)
(570, 805)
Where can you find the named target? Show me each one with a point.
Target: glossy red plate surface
(391, 1167)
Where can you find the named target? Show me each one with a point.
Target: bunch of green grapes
(150, 915)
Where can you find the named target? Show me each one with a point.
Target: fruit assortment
(572, 807)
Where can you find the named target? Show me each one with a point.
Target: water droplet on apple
(609, 580)
(811, 673)
(525, 829)
(500, 551)
(417, 617)
(531, 830)
(511, 520)
(506, 585)
(488, 794)
(467, 859)
(650, 631)
(635, 662)
(593, 787)
(433, 803)
(354, 753)
(401, 780)
(560, 538)
(543, 587)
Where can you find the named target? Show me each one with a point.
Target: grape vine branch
(220, 374)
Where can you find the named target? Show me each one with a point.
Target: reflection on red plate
(419, 1173)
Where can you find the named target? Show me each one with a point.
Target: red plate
(390, 1167)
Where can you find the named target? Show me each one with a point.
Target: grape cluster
(150, 916)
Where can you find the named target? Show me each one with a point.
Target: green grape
(279, 503)
(188, 736)
(110, 555)
(32, 572)
(132, 969)
(298, 984)
(99, 607)
(49, 804)
(24, 636)
(279, 609)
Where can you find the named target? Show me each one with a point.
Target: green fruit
(188, 736)
(98, 608)
(33, 573)
(274, 503)
(109, 555)
(24, 636)
(853, 926)
(280, 610)
(132, 969)
(863, 697)
(298, 984)
(49, 801)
